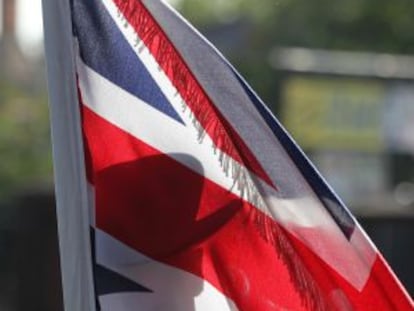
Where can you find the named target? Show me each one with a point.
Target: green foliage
(24, 139)
(375, 25)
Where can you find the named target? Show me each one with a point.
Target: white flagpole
(69, 166)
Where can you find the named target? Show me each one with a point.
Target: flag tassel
(207, 120)
(311, 294)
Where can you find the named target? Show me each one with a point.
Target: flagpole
(69, 166)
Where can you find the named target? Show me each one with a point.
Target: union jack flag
(198, 197)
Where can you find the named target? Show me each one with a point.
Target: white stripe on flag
(147, 124)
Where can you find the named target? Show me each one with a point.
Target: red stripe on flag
(164, 210)
(214, 123)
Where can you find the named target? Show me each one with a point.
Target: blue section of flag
(106, 51)
(338, 211)
(110, 282)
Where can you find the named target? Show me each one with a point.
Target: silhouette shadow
(163, 209)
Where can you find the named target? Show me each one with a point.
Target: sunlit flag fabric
(199, 198)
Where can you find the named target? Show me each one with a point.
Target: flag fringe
(205, 117)
(311, 295)
(207, 120)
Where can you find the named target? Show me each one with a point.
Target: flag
(191, 195)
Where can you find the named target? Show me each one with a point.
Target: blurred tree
(367, 25)
(376, 25)
(24, 139)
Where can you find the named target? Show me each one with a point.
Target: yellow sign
(334, 114)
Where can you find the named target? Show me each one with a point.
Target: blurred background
(338, 74)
